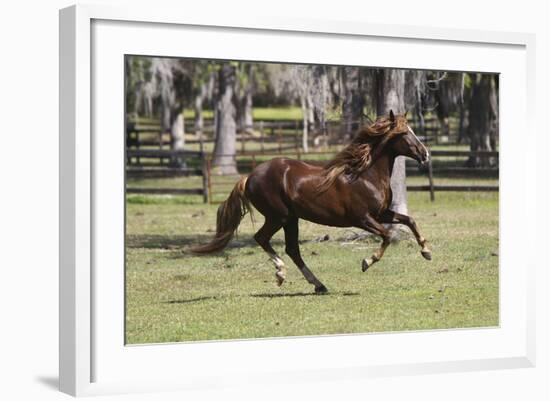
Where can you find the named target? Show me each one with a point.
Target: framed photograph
(299, 200)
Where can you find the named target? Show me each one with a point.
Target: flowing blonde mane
(357, 157)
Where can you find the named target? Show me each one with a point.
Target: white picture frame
(92, 358)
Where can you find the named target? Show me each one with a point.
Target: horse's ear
(392, 116)
(405, 113)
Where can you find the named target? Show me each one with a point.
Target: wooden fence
(220, 186)
(274, 135)
(148, 155)
(157, 163)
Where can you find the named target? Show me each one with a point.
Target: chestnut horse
(352, 190)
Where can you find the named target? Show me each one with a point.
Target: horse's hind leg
(373, 226)
(292, 249)
(262, 237)
(392, 217)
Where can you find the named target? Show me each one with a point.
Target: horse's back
(273, 172)
(267, 186)
(285, 187)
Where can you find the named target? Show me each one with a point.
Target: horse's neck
(380, 171)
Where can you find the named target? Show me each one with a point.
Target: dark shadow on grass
(264, 295)
(155, 241)
(191, 300)
(289, 295)
(184, 242)
(302, 294)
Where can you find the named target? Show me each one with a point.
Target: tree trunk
(167, 104)
(353, 102)
(310, 113)
(483, 117)
(200, 98)
(244, 91)
(443, 110)
(226, 126)
(166, 117)
(319, 91)
(305, 145)
(391, 96)
(199, 120)
(247, 120)
(178, 138)
(461, 120)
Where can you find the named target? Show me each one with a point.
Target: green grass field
(174, 296)
(259, 113)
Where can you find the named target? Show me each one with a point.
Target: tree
(138, 86)
(154, 86)
(483, 117)
(204, 80)
(353, 100)
(417, 94)
(320, 97)
(294, 83)
(226, 125)
(246, 85)
(166, 74)
(448, 89)
(390, 84)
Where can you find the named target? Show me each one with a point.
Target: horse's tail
(230, 214)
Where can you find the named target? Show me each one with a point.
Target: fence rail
(149, 154)
(285, 134)
(180, 160)
(165, 191)
(223, 187)
(453, 188)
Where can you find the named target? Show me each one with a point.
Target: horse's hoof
(364, 265)
(427, 254)
(321, 289)
(280, 278)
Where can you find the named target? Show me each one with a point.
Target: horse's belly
(321, 209)
(322, 218)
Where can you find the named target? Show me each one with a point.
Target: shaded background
(225, 117)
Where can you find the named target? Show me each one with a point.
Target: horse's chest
(377, 197)
(386, 203)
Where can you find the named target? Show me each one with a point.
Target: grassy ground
(221, 185)
(175, 296)
(259, 113)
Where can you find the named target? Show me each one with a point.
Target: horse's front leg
(391, 217)
(373, 226)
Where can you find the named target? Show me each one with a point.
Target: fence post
(437, 130)
(160, 145)
(205, 178)
(296, 136)
(209, 179)
(431, 180)
(262, 136)
(279, 136)
(138, 146)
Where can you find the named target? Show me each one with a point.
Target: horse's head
(390, 135)
(402, 140)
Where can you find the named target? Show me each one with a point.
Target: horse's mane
(358, 156)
